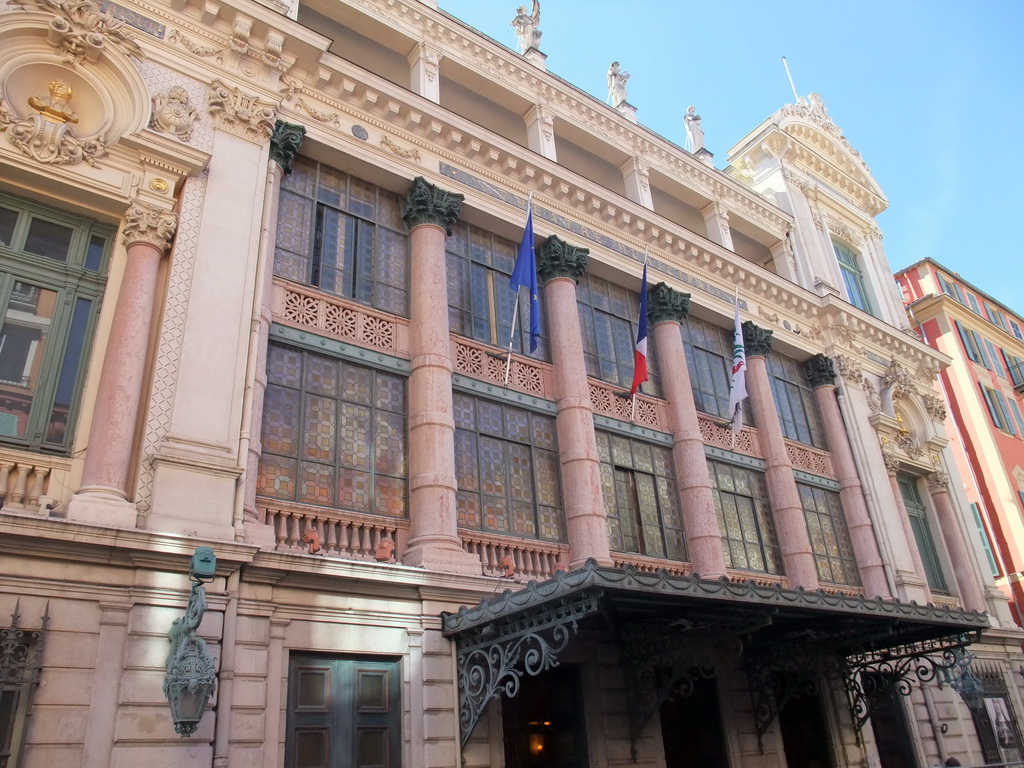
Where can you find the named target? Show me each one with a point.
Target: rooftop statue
(526, 27)
(616, 84)
(694, 132)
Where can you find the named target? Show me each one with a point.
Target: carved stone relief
(935, 407)
(173, 113)
(241, 113)
(46, 135)
(147, 224)
(898, 380)
(80, 32)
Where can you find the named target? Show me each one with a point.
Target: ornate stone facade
(757, 340)
(242, 113)
(667, 305)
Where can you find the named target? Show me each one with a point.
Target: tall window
(1015, 367)
(918, 515)
(480, 297)
(608, 315)
(983, 536)
(974, 345)
(638, 484)
(709, 358)
(20, 666)
(343, 236)
(343, 712)
(744, 517)
(506, 467)
(853, 277)
(830, 537)
(51, 282)
(950, 288)
(798, 410)
(995, 722)
(998, 410)
(333, 434)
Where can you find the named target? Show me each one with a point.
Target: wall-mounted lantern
(191, 674)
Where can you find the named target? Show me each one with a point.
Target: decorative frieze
(556, 258)
(147, 224)
(426, 203)
(285, 141)
(666, 304)
(174, 114)
(243, 114)
(757, 341)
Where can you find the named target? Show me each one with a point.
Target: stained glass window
(798, 411)
(608, 316)
(480, 297)
(639, 489)
(506, 466)
(830, 537)
(333, 434)
(343, 236)
(52, 279)
(709, 358)
(744, 517)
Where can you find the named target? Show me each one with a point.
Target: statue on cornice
(694, 132)
(526, 27)
(616, 84)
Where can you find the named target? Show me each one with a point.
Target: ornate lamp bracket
(871, 675)
(493, 658)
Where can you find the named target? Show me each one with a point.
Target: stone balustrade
(25, 478)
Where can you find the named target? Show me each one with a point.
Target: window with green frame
(830, 536)
(480, 296)
(343, 236)
(333, 434)
(918, 514)
(639, 489)
(52, 275)
(506, 469)
(853, 277)
(798, 410)
(749, 540)
(608, 315)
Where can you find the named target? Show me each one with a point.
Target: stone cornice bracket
(757, 341)
(243, 114)
(285, 141)
(426, 203)
(820, 371)
(148, 224)
(556, 258)
(81, 32)
(667, 305)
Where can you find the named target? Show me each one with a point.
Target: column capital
(820, 371)
(285, 140)
(149, 224)
(556, 258)
(892, 463)
(666, 304)
(757, 341)
(426, 203)
(938, 481)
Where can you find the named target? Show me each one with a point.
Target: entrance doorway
(805, 732)
(691, 729)
(889, 725)
(543, 724)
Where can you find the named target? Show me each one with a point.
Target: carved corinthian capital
(820, 370)
(426, 203)
(146, 224)
(938, 481)
(757, 341)
(667, 305)
(243, 114)
(556, 258)
(285, 142)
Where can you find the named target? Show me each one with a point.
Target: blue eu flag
(525, 274)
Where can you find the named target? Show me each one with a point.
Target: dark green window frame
(918, 514)
(53, 271)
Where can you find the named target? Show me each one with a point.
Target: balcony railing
(31, 482)
(341, 534)
(529, 559)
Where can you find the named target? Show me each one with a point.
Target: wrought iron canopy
(663, 625)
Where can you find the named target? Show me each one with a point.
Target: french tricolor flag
(640, 355)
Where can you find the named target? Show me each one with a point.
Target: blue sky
(930, 92)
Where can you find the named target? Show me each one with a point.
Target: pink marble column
(108, 461)
(667, 309)
(892, 467)
(560, 266)
(434, 541)
(790, 524)
(821, 373)
(968, 586)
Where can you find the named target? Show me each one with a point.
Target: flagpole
(736, 302)
(632, 416)
(515, 309)
(795, 97)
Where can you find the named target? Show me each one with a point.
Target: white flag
(738, 383)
